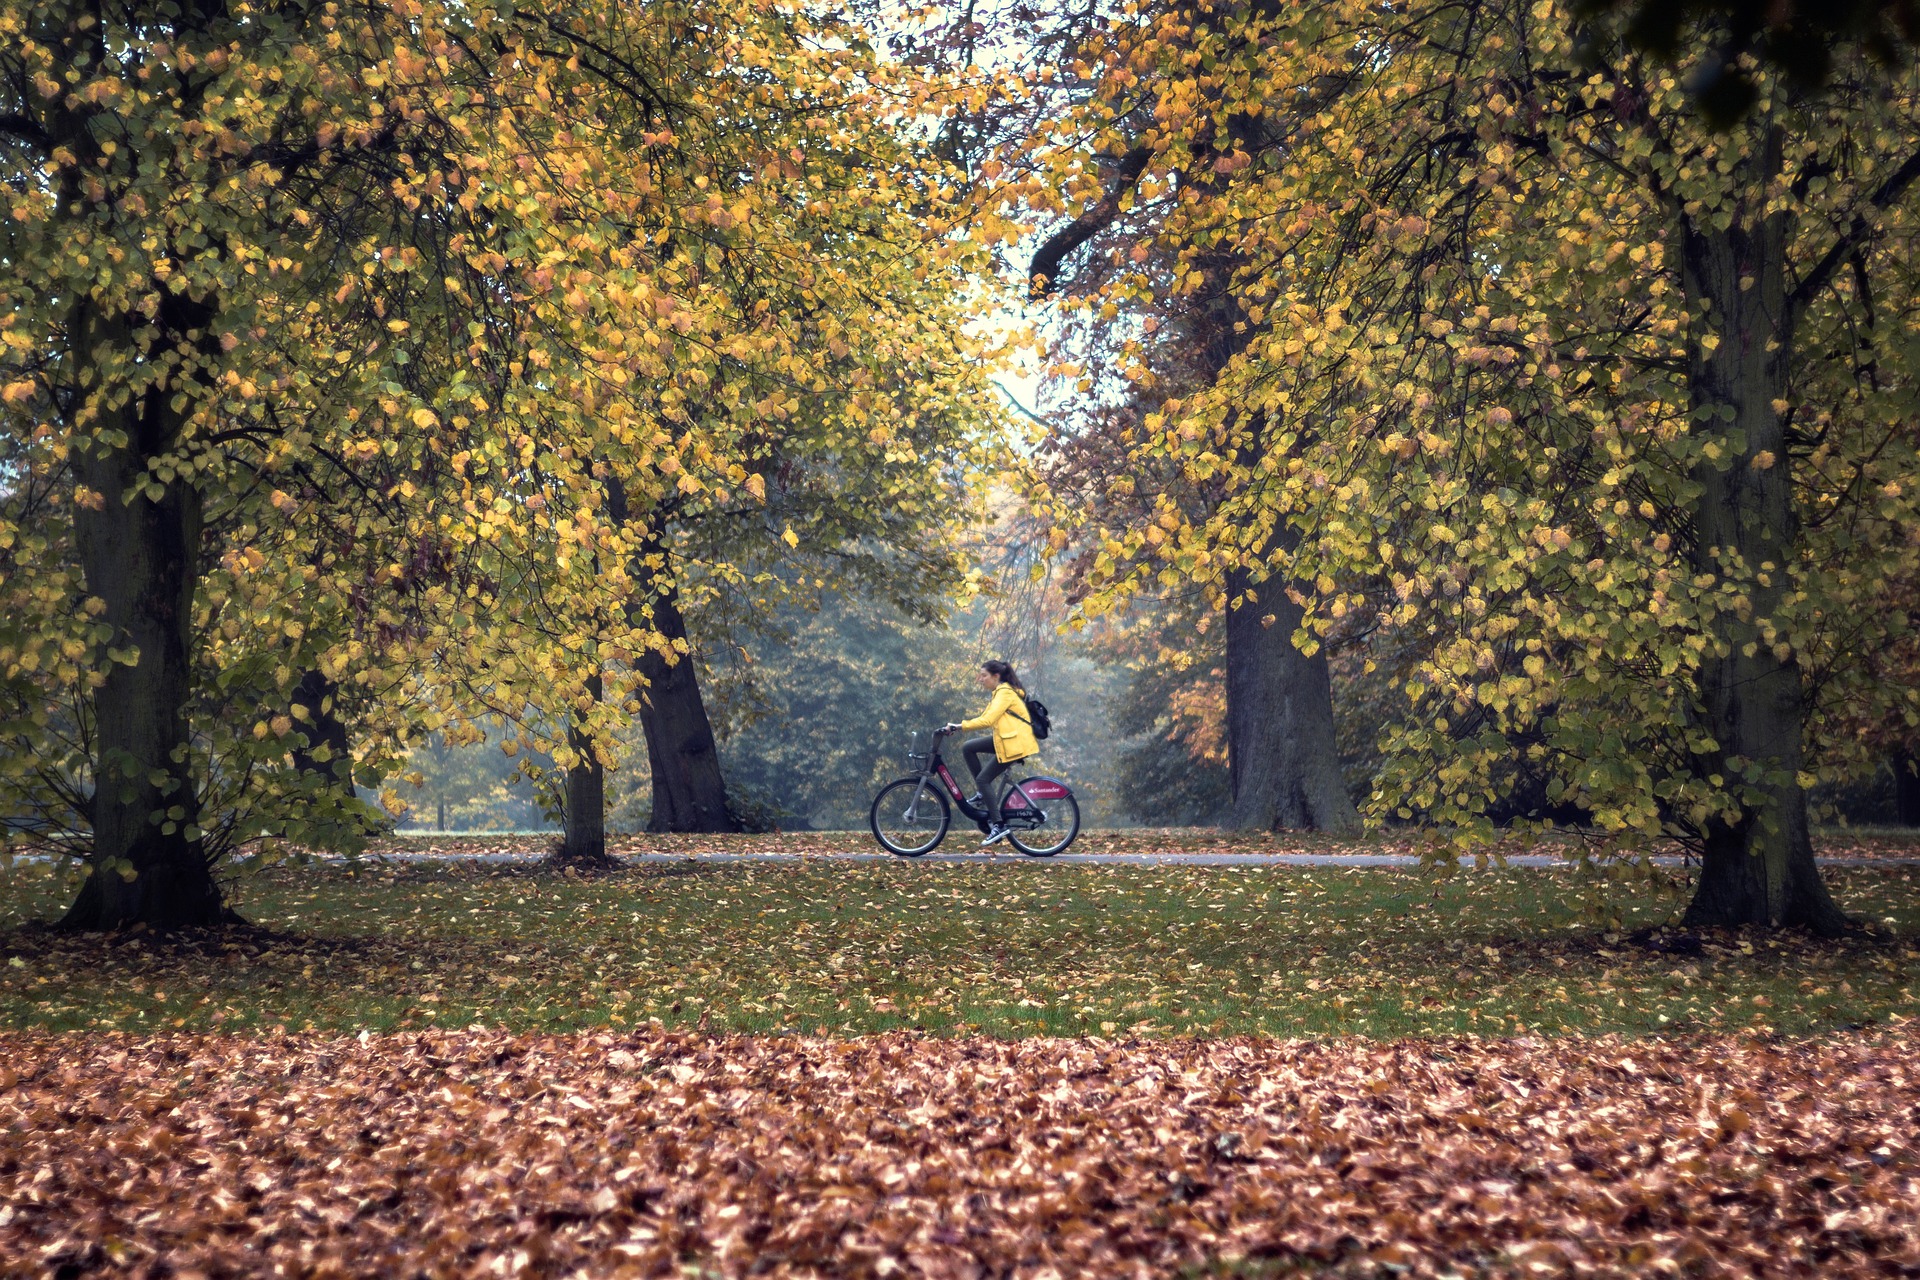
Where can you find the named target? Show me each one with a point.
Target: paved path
(967, 854)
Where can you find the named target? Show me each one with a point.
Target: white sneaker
(994, 836)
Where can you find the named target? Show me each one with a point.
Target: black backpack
(1041, 723)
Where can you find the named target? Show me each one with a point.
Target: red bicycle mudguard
(1038, 788)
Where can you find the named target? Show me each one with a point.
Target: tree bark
(1282, 766)
(584, 842)
(1758, 869)
(140, 554)
(689, 793)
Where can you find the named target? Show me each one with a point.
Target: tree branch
(27, 129)
(1046, 260)
(640, 87)
(1816, 280)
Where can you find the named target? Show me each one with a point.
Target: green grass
(1009, 950)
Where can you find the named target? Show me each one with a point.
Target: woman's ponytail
(1004, 670)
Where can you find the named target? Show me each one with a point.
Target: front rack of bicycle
(919, 749)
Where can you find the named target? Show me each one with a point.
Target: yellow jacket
(1012, 728)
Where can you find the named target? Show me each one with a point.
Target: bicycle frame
(1027, 806)
(936, 767)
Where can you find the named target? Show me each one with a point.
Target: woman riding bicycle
(1009, 736)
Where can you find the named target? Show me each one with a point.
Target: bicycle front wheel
(909, 817)
(1042, 816)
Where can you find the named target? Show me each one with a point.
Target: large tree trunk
(689, 793)
(1281, 762)
(324, 757)
(1906, 789)
(1282, 765)
(585, 841)
(1758, 870)
(325, 751)
(1280, 734)
(140, 555)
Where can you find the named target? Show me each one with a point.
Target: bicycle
(911, 815)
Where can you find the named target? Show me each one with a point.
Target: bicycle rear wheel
(1042, 816)
(909, 817)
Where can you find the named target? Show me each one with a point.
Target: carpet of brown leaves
(478, 1153)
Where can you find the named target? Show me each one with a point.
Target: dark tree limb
(27, 129)
(636, 84)
(1816, 279)
(1044, 272)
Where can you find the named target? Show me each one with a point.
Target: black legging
(985, 778)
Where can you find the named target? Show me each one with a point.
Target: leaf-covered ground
(963, 839)
(654, 1154)
(1857, 843)
(493, 1071)
(1019, 949)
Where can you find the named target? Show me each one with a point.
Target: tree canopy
(328, 329)
(1607, 407)
(378, 371)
